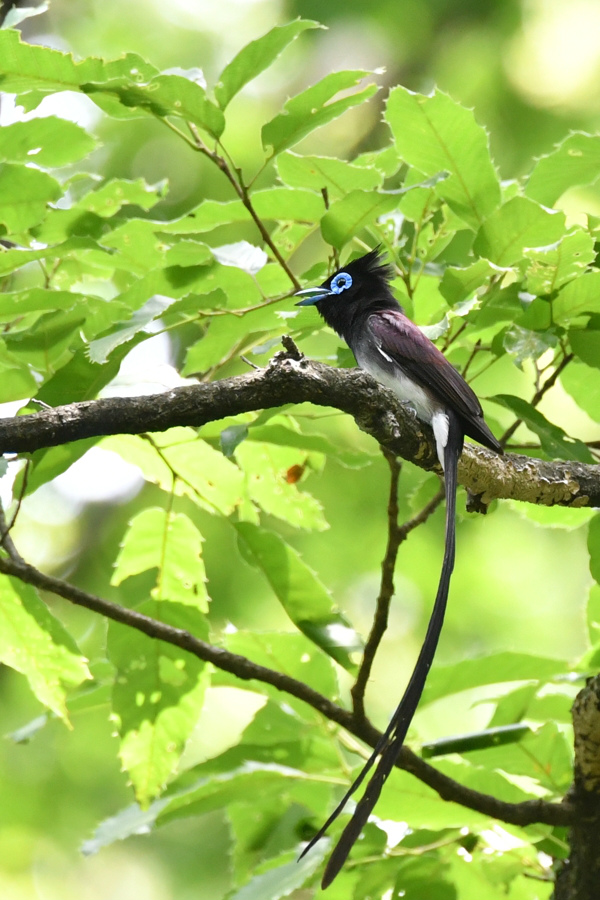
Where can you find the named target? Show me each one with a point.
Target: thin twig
(5, 529)
(525, 813)
(545, 387)
(397, 534)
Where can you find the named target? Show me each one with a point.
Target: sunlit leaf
(34, 643)
(257, 56)
(171, 544)
(354, 212)
(319, 173)
(304, 598)
(493, 669)
(518, 224)
(436, 134)
(46, 142)
(594, 547)
(24, 195)
(576, 161)
(553, 266)
(311, 109)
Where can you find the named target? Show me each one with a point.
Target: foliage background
(529, 71)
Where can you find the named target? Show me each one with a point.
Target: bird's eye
(341, 282)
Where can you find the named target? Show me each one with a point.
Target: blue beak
(311, 295)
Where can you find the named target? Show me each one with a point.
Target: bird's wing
(404, 344)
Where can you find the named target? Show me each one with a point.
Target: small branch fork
(526, 813)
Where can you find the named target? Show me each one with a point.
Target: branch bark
(525, 813)
(291, 378)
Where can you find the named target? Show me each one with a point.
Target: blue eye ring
(341, 282)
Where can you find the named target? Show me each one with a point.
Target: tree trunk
(579, 878)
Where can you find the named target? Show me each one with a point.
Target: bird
(358, 303)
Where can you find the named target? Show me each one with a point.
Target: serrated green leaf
(553, 266)
(555, 442)
(355, 211)
(275, 433)
(336, 176)
(157, 696)
(304, 598)
(257, 56)
(46, 142)
(34, 68)
(310, 110)
(577, 297)
(34, 643)
(51, 462)
(205, 475)
(172, 544)
(583, 385)
(516, 225)
(542, 755)
(266, 467)
(293, 654)
(459, 283)
(493, 669)
(51, 341)
(594, 547)
(285, 874)
(585, 344)
(436, 134)
(17, 381)
(576, 161)
(163, 96)
(127, 822)
(13, 259)
(24, 195)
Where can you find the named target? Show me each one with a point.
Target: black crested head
(358, 288)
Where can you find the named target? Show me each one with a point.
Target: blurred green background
(530, 69)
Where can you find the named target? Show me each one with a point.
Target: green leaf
(17, 381)
(46, 142)
(266, 467)
(576, 161)
(494, 669)
(518, 224)
(347, 217)
(436, 134)
(459, 283)
(127, 822)
(553, 266)
(583, 385)
(257, 56)
(203, 473)
(542, 755)
(157, 696)
(13, 259)
(277, 433)
(34, 68)
(594, 547)
(24, 195)
(593, 604)
(304, 598)
(317, 173)
(172, 544)
(281, 876)
(34, 643)
(293, 654)
(310, 109)
(555, 442)
(577, 297)
(50, 343)
(163, 96)
(585, 343)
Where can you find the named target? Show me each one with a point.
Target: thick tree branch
(525, 813)
(296, 380)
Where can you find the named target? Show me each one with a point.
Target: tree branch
(291, 380)
(526, 813)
